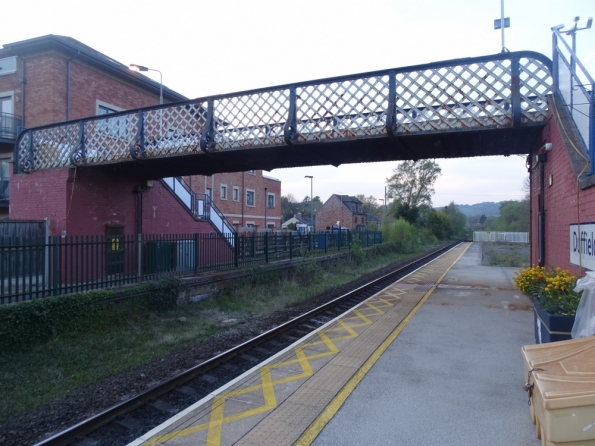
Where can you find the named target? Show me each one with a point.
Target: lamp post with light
(311, 202)
(137, 68)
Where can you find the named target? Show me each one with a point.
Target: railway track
(130, 419)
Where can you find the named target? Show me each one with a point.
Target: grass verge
(67, 363)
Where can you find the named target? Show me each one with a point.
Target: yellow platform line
(359, 317)
(327, 414)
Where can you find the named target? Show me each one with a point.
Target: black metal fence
(49, 266)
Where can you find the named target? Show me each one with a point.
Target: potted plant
(554, 299)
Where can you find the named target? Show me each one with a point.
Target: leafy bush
(30, 323)
(553, 288)
(357, 252)
(403, 234)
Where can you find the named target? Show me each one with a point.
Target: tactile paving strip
(278, 400)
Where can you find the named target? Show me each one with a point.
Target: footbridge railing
(577, 88)
(502, 90)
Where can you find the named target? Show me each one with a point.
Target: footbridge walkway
(467, 107)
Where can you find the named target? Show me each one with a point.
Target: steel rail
(96, 421)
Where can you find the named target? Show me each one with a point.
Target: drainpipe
(541, 158)
(68, 85)
(242, 198)
(139, 208)
(23, 82)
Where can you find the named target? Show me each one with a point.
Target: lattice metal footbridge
(491, 105)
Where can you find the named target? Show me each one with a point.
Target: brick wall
(84, 202)
(331, 212)
(564, 203)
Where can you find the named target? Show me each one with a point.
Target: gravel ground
(59, 414)
(505, 254)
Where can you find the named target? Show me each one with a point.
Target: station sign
(582, 245)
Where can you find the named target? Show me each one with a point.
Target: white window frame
(253, 192)
(223, 191)
(8, 66)
(236, 193)
(8, 94)
(269, 195)
(118, 126)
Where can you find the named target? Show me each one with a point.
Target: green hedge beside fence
(24, 325)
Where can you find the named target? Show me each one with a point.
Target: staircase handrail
(579, 82)
(201, 206)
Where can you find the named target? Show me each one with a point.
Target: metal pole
(502, 24)
(266, 199)
(312, 204)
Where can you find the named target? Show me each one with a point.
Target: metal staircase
(200, 206)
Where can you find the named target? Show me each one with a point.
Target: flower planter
(551, 327)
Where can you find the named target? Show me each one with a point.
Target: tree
(413, 182)
(458, 221)
(439, 224)
(369, 204)
(407, 212)
(289, 207)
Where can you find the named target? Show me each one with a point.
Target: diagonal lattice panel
(536, 84)
(351, 108)
(108, 139)
(468, 94)
(174, 130)
(48, 148)
(454, 97)
(251, 120)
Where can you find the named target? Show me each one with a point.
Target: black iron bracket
(290, 128)
(79, 155)
(207, 139)
(137, 149)
(391, 118)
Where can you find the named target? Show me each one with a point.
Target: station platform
(432, 359)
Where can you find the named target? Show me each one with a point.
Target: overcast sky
(211, 47)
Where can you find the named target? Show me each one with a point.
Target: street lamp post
(266, 199)
(311, 202)
(137, 68)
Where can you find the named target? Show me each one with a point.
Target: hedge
(24, 325)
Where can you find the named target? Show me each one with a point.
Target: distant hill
(487, 208)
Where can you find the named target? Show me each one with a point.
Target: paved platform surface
(454, 375)
(432, 359)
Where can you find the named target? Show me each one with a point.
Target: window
(116, 127)
(8, 121)
(223, 192)
(271, 201)
(249, 198)
(251, 172)
(8, 66)
(209, 192)
(236, 193)
(4, 174)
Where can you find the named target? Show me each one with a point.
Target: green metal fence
(41, 267)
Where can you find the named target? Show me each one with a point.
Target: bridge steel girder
(489, 105)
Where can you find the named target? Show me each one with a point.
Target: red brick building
(562, 196)
(52, 79)
(341, 210)
(240, 196)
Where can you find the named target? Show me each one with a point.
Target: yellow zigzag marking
(345, 325)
